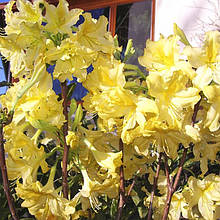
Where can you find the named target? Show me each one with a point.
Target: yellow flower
(13, 53)
(207, 148)
(43, 201)
(91, 189)
(206, 60)
(165, 138)
(72, 139)
(110, 161)
(178, 206)
(205, 194)
(172, 98)
(133, 162)
(71, 59)
(104, 77)
(39, 103)
(60, 19)
(27, 13)
(213, 114)
(93, 34)
(22, 153)
(163, 56)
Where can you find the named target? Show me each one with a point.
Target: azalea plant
(134, 146)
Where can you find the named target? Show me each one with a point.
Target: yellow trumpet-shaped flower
(43, 201)
(103, 77)
(71, 59)
(93, 34)
(206, 60)
(110, 161)
(60, 18)
(27, 13)
(172, 98)
(163, 57)
(72, 139)
(178, 206)
(205, 194)
(213, 114)
(39, 103)
(22, 153)
(91, 189)
(14, 53)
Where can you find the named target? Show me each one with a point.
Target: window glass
(133, 21)
(3, 1)
(2, 78)
(96, 13)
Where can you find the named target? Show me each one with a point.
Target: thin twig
(132, 186)
(121, 186)
(171, 186)
(66, 147)
(150, 211)
(5, 177)
(196, 109)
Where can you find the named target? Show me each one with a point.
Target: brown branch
(5, 177)
(171, 186)
(196, 109)
(132, 186)
(150, 211)
(121, 186)
(64, 90)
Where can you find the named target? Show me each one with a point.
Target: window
(4, 65)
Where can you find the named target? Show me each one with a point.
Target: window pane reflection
(134, 22)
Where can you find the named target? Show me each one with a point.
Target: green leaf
(71, 89)
(178, 31)
(78, 117)
(136, 199)
(43, 125)
(129, 52)
(73, 106)
(142, 212)
(113, 208)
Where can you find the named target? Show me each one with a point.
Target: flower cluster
(123, 123)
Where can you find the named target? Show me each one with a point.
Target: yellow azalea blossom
(91, 189)
(207, 148)
(116, 103)
(144, 109)
(43, 201)
(13, 53)
(27, 13)
(103, 77)
(161, 182)
(71, 58)
(205, 194)
(206, 60)
(213, 95)
(178, 206)
(22, 153)
(163, 57)
(93, 34)
(88, 191)
(72, 139)
(60, 18)
(158, 204)
(110, 161)
(133, 162)
(172, 98)
(165, 138)
(39, 103)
